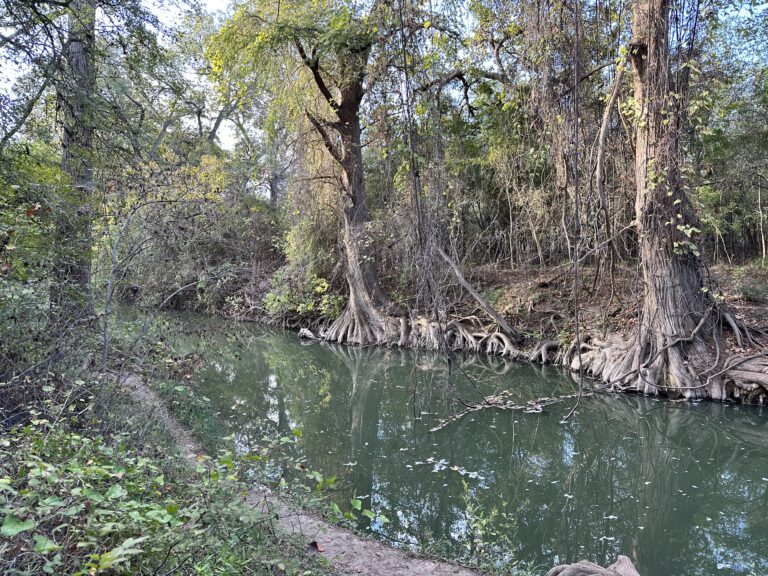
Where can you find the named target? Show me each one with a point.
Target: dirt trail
(346, 552)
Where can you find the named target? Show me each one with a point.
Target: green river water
(682, 489)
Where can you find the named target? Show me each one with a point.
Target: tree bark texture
(670, 351)
(370, 316)
(71, 292)
(366, 318)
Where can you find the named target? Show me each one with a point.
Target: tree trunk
(366, 319)
(671, 350)
(762, 228)
(370, 316)
(71, 292)
(675, 323)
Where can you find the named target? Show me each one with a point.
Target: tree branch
(314, 67)
(502, 323)
(329, 145)
(461, 75)
(25, 113)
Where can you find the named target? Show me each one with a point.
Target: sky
(216, 5)
(168, 12)
(227, 132)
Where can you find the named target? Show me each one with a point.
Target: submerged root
(652, 366)
(363, 326)
(746, 379)
(461, 337)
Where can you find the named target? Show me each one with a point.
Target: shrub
(73, 503)
(754, 293)
(296, 293)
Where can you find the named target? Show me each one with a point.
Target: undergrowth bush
(80, 503)
(295, 292)
(757, 294)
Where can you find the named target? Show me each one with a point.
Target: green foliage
(211, 245)
(81, 504)
(494, 295)
(754, 293)
(28, 193)
(304, 295)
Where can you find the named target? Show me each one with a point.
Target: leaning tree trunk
(71, 292)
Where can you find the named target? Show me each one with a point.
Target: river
(682, 489)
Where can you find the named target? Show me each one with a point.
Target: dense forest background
(350, 166)
(570, 181)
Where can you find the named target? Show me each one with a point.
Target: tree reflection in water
(679, 488)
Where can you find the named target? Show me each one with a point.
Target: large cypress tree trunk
(671, 350)
(370, 316)
(71, 292)
(366, 319)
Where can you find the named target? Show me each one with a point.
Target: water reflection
(679, 488)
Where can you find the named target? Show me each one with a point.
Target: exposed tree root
(371, 319)
(622, 567)
(370, 328)
(542, 350)
(307, 334)
(692, 367)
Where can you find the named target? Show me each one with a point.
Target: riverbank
(345, 551)
(538, 302)
(540, 305)
(90, 483)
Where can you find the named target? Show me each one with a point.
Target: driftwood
(622, 567)
(307, 334)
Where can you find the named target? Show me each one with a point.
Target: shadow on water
(680, 488)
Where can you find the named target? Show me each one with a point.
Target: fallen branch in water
(502, 402)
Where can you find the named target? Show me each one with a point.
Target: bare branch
(28, 108)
